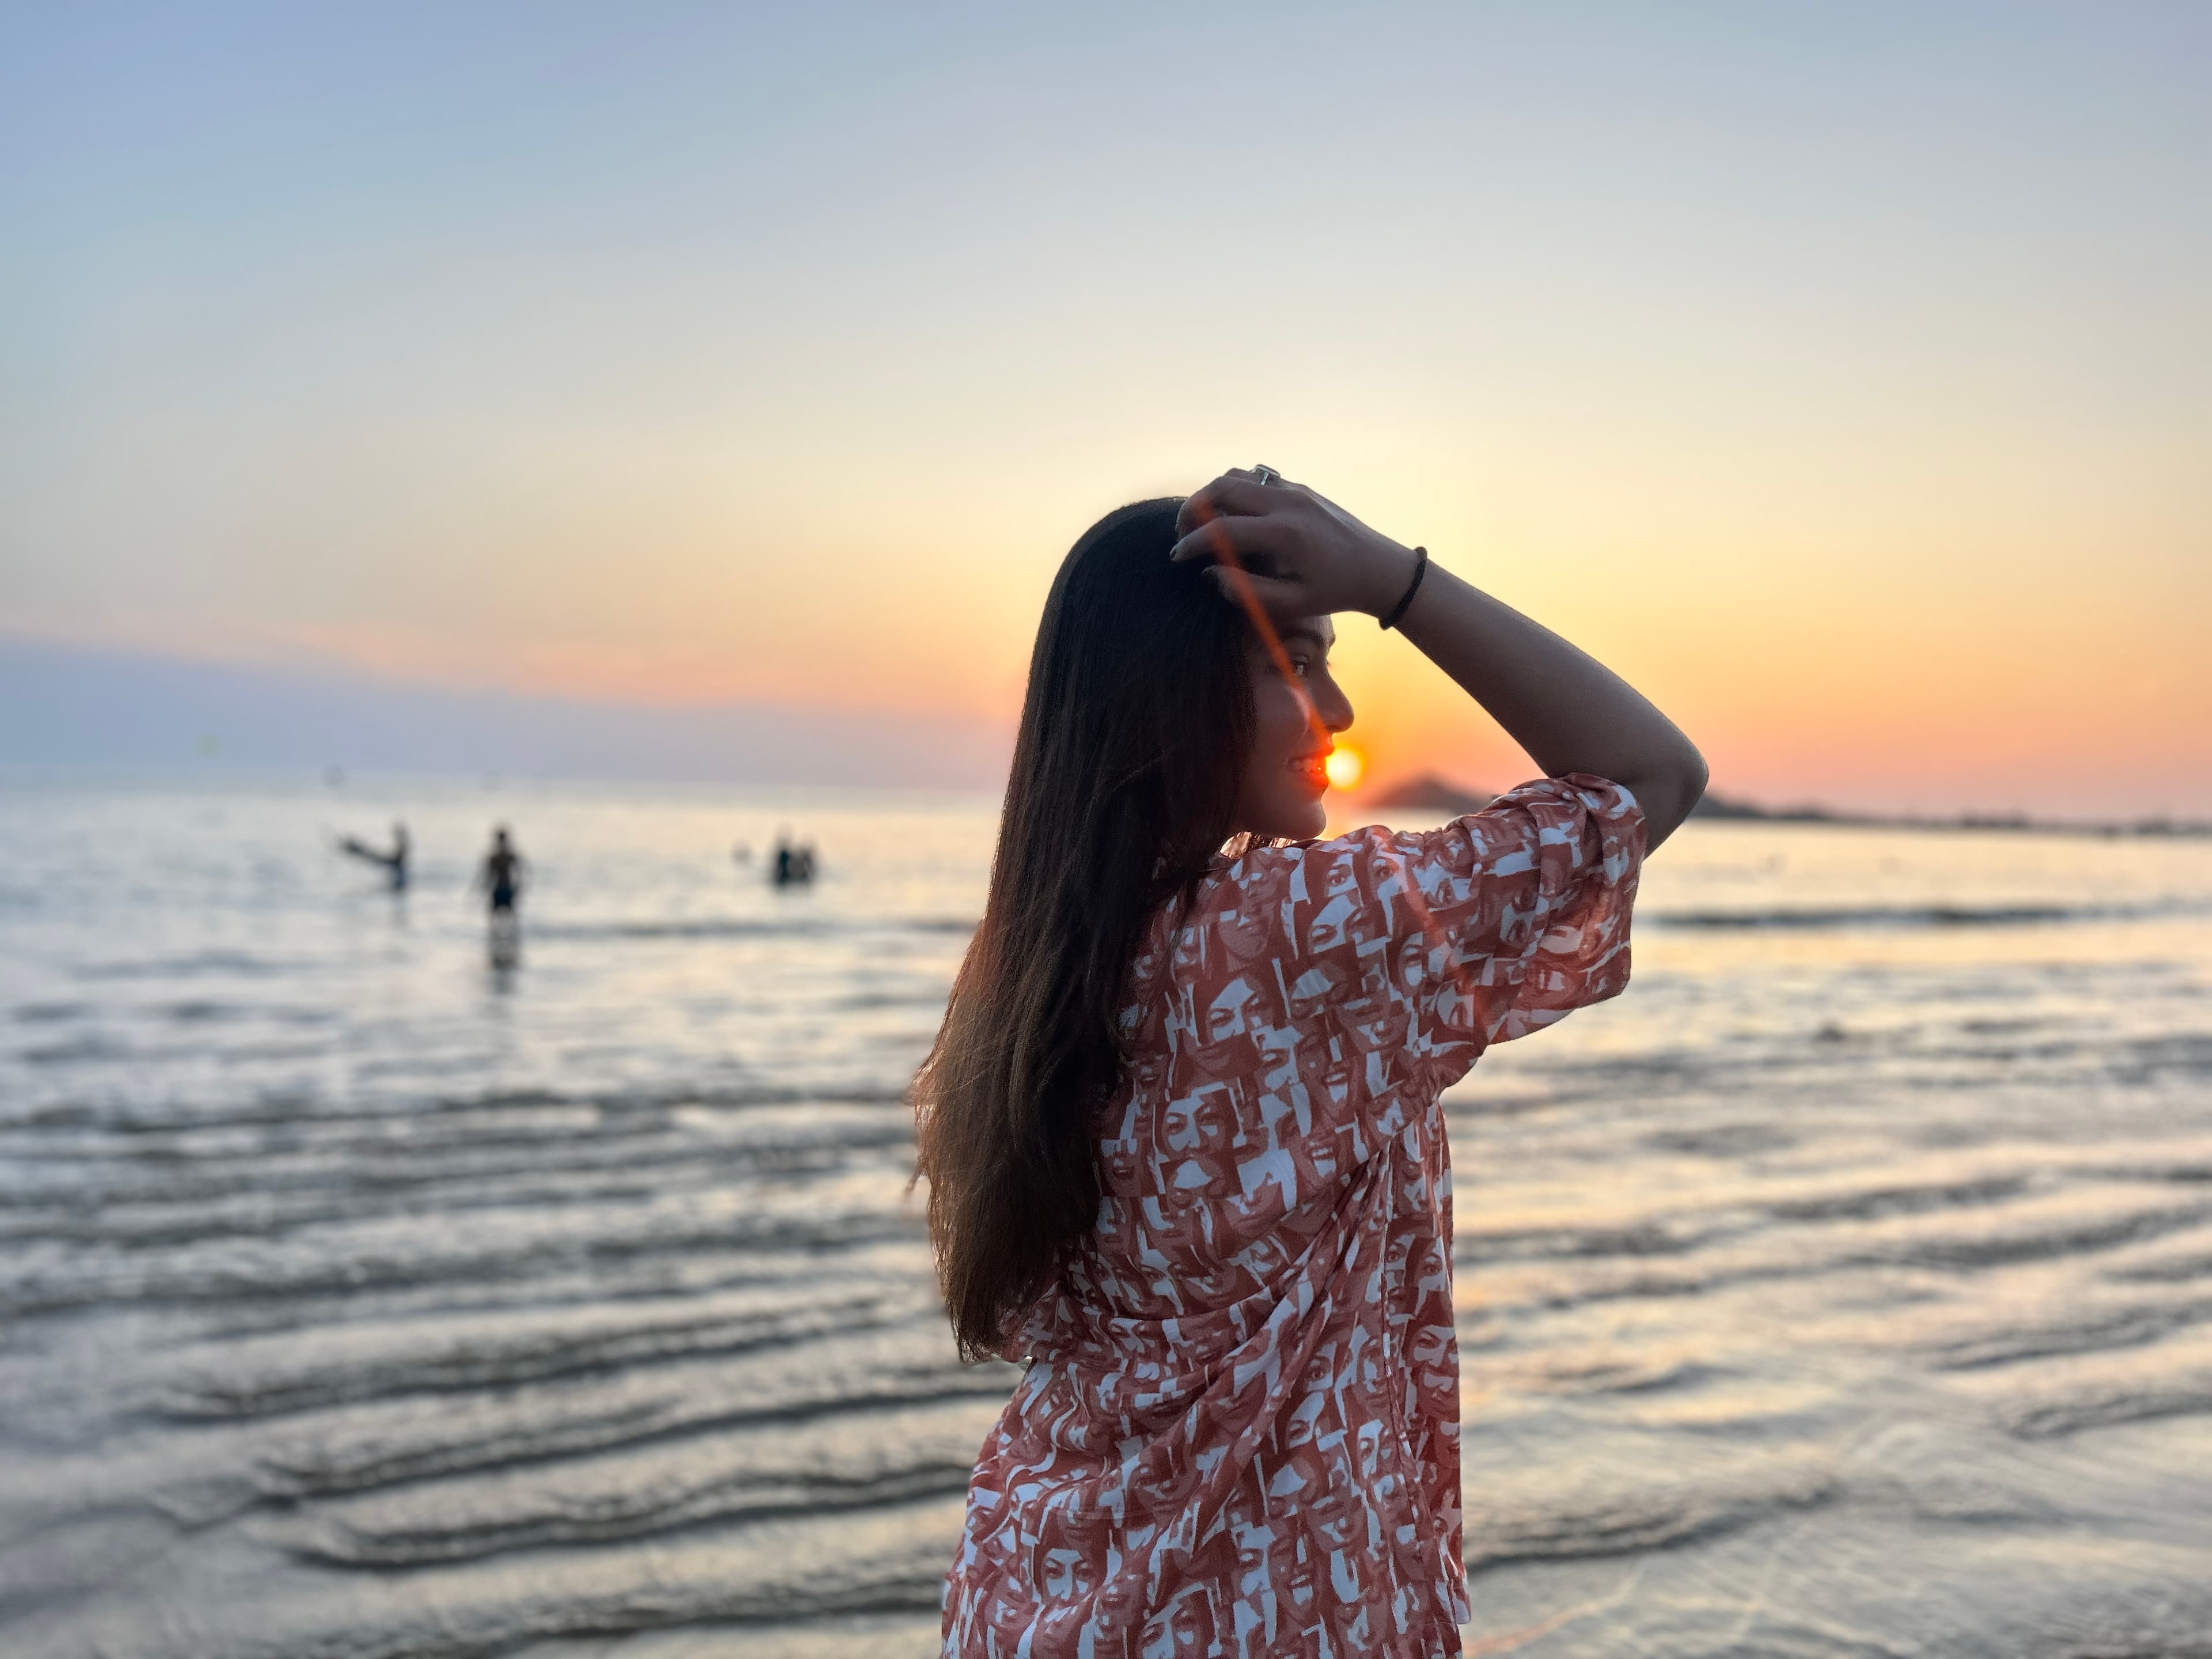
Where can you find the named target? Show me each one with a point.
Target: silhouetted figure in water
(794, 865)
(501, 878)
(393, 863)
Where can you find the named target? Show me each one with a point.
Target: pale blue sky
(1788, 353)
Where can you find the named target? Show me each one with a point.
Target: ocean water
(1846, 1288)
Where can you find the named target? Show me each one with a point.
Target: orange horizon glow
(1344, 766)
(1884, 481)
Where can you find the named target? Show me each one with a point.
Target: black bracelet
(1420, 569)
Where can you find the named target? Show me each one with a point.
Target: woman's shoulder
(1282, 882)
(1265, 901)
(1522, 817)
(1366, 882)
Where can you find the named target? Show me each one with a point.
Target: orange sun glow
(1344, 766)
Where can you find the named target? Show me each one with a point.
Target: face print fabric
(1239, 1431)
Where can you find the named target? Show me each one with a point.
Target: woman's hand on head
(1298, 556)
(1303, 555)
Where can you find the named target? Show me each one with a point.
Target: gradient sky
(1842, 373)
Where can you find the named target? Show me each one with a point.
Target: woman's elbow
(1695, 776)
(1670, 796)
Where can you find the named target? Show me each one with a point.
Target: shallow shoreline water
(1845, 1288)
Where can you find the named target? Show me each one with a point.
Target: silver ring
(1266, 475)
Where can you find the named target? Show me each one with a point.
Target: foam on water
(1846, 1288)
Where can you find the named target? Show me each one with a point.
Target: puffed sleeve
(1423, 948)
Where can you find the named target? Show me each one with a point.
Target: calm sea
(1846, 1288)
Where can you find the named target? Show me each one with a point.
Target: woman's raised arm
(1304, 556)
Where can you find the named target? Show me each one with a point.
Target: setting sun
(1344, 766)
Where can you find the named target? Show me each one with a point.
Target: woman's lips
(1313, 769)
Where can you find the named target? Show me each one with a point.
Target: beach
(1845, 1288)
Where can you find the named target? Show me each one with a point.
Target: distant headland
(1429, 792)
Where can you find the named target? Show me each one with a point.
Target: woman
(1180, 1126)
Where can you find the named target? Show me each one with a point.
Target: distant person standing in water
(794, 864)
(1181, 1128)
(501, 878)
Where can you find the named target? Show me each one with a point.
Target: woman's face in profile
(1294, 717)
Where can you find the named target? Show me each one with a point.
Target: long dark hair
(1132, 741)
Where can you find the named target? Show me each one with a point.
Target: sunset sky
(1842, 373)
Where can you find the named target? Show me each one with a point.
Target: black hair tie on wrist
(1420, 569)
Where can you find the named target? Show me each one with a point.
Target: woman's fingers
(1235, 493)
(1201, 504)
(1238, 537)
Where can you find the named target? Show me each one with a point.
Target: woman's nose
(1332, 708)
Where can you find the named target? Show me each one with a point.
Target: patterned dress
(1239, 1431)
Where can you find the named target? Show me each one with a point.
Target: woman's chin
(1299, 815)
